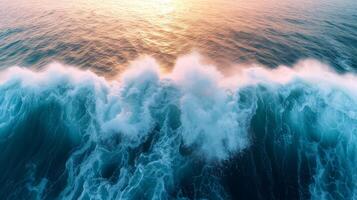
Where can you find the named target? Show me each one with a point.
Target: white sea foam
(194, 107)
(207, 99)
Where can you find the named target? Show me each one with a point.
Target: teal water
(178, 99)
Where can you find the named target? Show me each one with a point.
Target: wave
(192, 133)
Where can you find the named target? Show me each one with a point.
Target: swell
(287, 133)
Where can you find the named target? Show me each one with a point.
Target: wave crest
(152, 135)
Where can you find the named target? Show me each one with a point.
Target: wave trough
(193, 133)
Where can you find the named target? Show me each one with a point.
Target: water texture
(105, 99)
(193, 133)
(106, 36)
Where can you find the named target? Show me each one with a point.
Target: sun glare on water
(163, 1)
(139, 7)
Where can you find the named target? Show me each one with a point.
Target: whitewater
(192, 133)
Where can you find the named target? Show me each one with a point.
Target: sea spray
(286, 133)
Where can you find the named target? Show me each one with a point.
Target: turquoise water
(178, 99)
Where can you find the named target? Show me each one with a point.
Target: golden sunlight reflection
(162, 29)
(158, 23)
(148, 9)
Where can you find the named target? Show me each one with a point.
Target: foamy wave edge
(201, 113)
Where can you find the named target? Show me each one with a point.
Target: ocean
(178, 99)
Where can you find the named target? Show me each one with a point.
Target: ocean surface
(178, 99)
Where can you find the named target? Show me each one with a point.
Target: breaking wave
(193, 133)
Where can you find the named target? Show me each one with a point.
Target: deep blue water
(178, 99)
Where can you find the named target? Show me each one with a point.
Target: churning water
(178, 99)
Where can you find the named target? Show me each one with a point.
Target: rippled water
(104, 36)
(219, 123)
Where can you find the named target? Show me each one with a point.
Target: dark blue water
(178, 99)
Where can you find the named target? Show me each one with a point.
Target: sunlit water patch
(105, 36)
